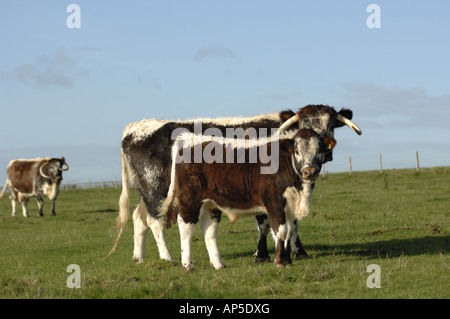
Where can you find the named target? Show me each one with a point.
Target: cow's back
(22, 174)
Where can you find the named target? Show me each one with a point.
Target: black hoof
(261, 260)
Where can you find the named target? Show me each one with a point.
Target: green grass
(398, 220)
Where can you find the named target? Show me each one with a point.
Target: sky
(70, 91)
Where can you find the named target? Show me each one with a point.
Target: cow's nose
(310, 173)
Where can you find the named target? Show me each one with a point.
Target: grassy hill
(398, 220)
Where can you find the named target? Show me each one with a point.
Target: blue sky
(70, 92)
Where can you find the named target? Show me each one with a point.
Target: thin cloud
(56, 59)
(49, 70)
(214, 52)
(27, 73)
(282, 97)
(412, 107)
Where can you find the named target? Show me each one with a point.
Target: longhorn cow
(34, 177)
(200, 191)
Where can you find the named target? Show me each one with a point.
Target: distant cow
(146, 160)
(34, 177)
(201, 190)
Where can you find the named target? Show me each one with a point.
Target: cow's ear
(328, 143)
(347, 113)
(286, 115)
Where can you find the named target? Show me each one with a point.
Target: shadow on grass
(106, 210)
(377, 249)
(388, 248)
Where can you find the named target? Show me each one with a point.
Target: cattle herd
(193, 171)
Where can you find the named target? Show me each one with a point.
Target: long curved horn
(350, 124)
(288, 123)
(41, 172)
(64, 169)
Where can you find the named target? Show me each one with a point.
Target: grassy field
(398, 220)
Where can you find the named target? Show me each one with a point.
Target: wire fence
(90, 184)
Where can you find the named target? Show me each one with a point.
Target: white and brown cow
(146, 161)
(199, 191)
(34, 177)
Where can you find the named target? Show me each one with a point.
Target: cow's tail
(168, 204)
(123, 204)
(4, 188)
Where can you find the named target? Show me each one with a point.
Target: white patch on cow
(140, 230)
(13, 203)
(189, 139)
(283, 233)
(36, 160)
(210, 229)
(305, 198)
(143, 129)
(297, 202)
(322, 127)
(312, 146)
(235, 121)
(50, 190)
(25, 195)
(25, 208)
(324, 120)
(186, 234)
(142, 222)
(158, 226)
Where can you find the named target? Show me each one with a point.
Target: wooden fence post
(417, 161)
(381, 166)
(350, 166)
(323, 170)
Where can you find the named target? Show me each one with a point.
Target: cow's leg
(281, 230)
(13, 202)
(263, 227)
(53, 198)
(209, 223)
(140, 231)
(52, 202)
(40, 202)
(282, 245)
(297, 248)
(158, 227)
(282, 253)
(186, 233)
(24, 202)
(142, 222)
